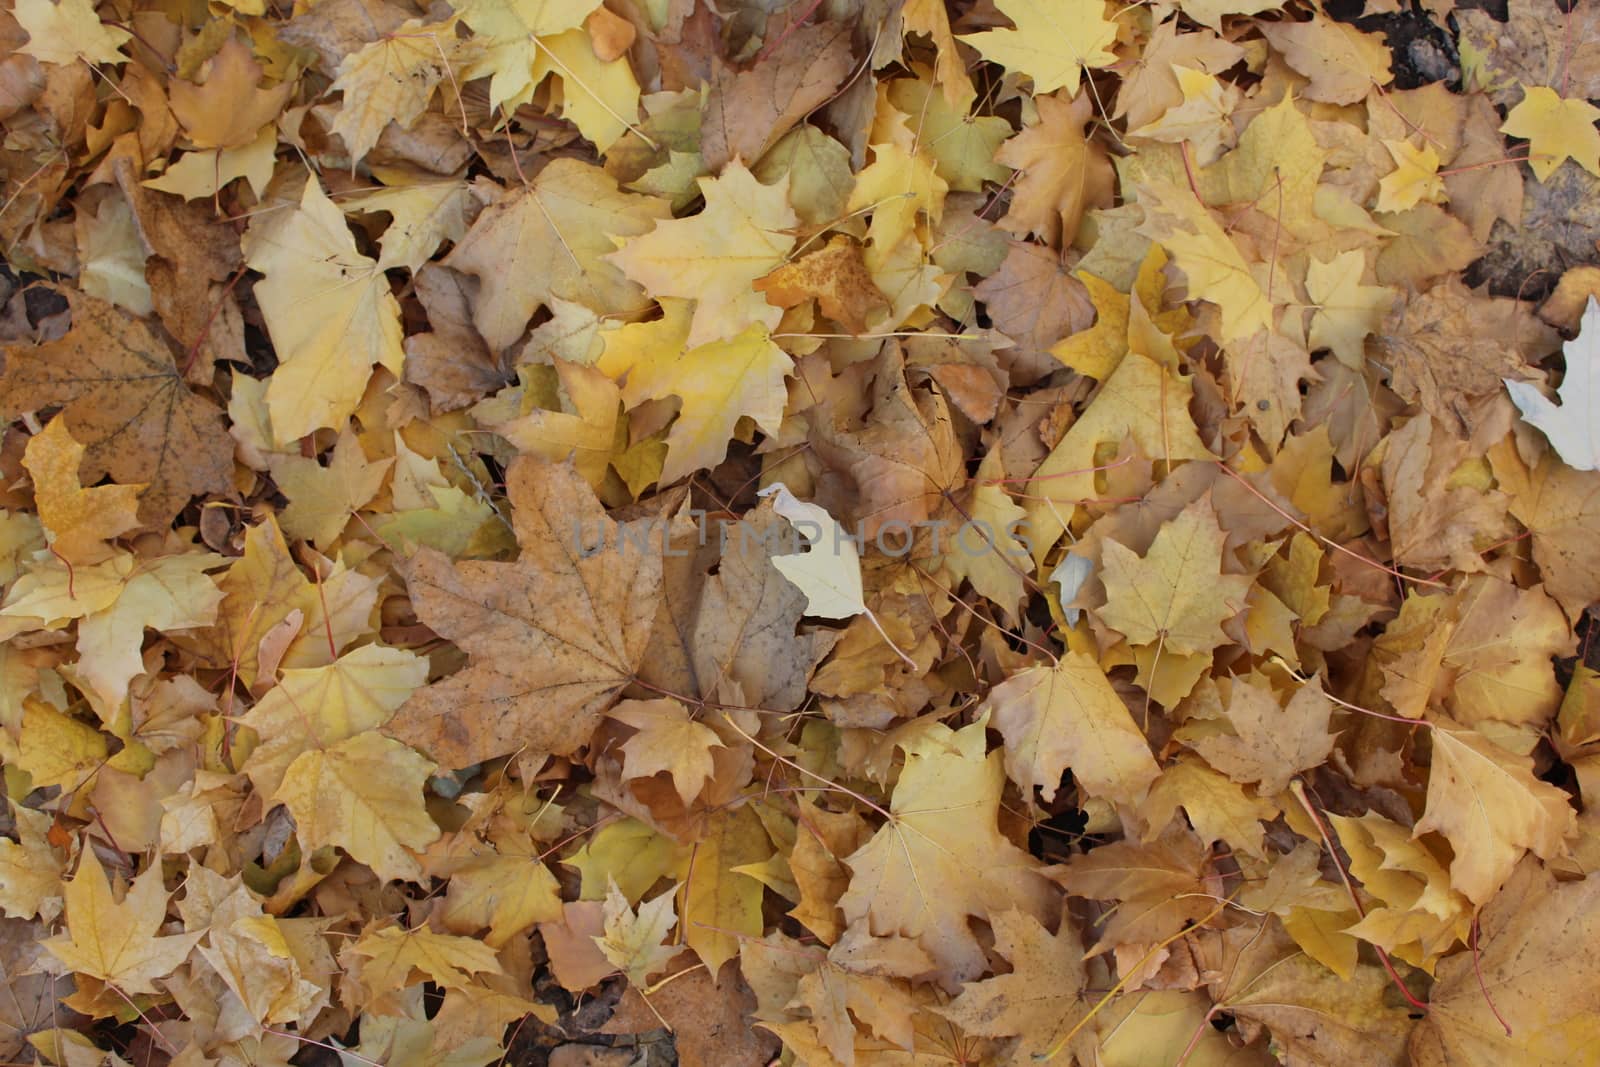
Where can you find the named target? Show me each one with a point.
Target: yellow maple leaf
(599, 96)
(364, 795)
(633, 940)
(1068, 716)
(196, 174)
(1176, 594)
(30, 868)
(526, 41)
(322, 498)
(1201, 118)
(56, 749)
(392, 79)
(590, 434)
(1054, 42)
(114, 940)
(950, 69)
(273, 965)
(719, 901)
(915, 113)
(897, 186)
(1212, 263)
(168, 594)
(229, 107)
(1346, 310)
(503, 894)
(1217, 807)
(549, 239)
(990, 556)
(669, 741)
(941, 860)
(1414, 179)
(68, 31)
(77, 521)
(1489, 806)
(1421, 916)
(395, 958)
(313, 707)
(719, 383)
(329, 310)
(1041, 1000)
(425, 214)
(629, 854)
(264, 588)
(713, 257)
(1139, 400)
(1557, 129)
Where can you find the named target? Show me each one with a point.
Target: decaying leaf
(555, 635)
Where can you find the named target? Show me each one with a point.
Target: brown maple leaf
(125, 401)
(554, 637)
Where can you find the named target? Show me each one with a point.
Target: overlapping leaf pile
(995, 532)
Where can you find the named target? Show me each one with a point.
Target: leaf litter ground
(843, 533)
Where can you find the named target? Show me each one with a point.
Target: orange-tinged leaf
(668, 741)
(77, 521)
(124, 399)
(836, 276)
(1063, 173)
(228, 106)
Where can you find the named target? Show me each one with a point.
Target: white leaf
(1574, 427)
(829, 572)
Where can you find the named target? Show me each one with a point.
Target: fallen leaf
(572, 646)
(124, 399)
(1069, 716)
(330, 312)
(713, 257)
(1490, 807)
(117, 940)
(1570, 431)
(363, 794)
(1175, 595)
(633, 940)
